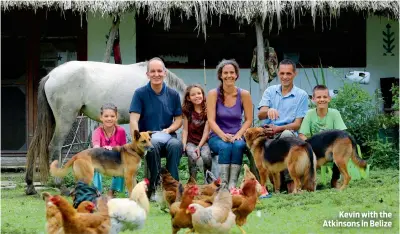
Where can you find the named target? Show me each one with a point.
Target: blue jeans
(173, 152)
(228, 153)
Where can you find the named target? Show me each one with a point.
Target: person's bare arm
(302, 136)
(292, 126)
(268, 113)
(185, 131)
(263, 113)
(175, 125)
(134, 122)
(206, 132)
(211, 114)
(248, 114)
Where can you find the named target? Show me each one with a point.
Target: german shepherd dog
(337, 146)
(273, 156)
(120, 161)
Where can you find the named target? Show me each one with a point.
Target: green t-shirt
(313, 124)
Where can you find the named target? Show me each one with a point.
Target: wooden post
(262, 82)
(32, 73)
(111, 38)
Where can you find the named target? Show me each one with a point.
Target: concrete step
(8, 185)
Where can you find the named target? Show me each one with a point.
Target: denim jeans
(228, 153)
(173, 149)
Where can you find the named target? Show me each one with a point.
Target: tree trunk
(111, 38)
(260, 57)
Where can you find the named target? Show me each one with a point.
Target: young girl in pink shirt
(108, 135)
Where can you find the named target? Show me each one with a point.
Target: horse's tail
(41, 138)
(61, 172)
(176, 83)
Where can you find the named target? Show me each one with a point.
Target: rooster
(245, 202)
(130, 213)
(217, 218)
(54, 218)
(74, 222)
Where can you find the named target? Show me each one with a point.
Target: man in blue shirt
(156, 107)
(283, 107)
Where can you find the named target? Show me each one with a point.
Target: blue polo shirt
(156, 110)
(290, 107)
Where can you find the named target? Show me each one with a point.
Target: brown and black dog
(120, 161)
(274, 156)
(337, 146)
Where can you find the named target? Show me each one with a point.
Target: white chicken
(129, 213)
(215, 219)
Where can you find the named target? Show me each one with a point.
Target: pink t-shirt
(117, 139)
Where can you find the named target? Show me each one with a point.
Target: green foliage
(384, 154)
(293, 213)
(357, 109)
(361, 113)
(395, 97)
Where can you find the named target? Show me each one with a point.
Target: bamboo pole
(111, 38)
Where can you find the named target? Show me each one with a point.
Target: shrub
(383, 154)
(359, 111)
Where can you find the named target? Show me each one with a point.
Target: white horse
(75, 87)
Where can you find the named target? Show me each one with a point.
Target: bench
(214, 165)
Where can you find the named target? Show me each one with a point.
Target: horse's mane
(172, 80)
(175, 82)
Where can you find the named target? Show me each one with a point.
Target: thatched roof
(242, 11)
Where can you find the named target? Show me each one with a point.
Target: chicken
(74, 222)
(179, 217)
(206, 189)
(209, 189)
(217, 218)
(243, 204)
(261, 191)
(210, 177)
(191, 181)
(170, 188)
(130, 213)
(53, 215)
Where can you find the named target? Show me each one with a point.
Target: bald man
(156, 107)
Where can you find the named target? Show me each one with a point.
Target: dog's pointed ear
(150, 133)
(136, 135)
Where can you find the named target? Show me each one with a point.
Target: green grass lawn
(302, 213)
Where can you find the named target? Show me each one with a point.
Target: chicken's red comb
(55, 199)
(218, 181)
(146, 181)
(90, 206)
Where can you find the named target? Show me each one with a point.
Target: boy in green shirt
(320, 118)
